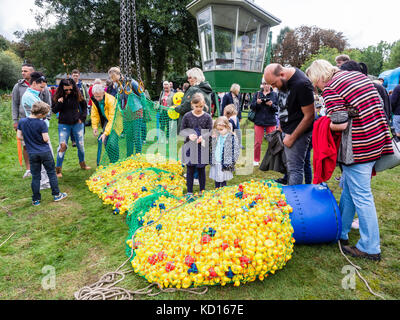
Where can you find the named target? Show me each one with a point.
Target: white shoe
(196, 182)
(255, 163)
(355, 224)
(27, 174)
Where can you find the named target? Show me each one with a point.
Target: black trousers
(190, 178)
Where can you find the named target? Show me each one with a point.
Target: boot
(84, 166)
(58, 172)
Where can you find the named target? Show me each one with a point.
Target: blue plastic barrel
(316, 217)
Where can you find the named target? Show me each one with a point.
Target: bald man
(296, 115)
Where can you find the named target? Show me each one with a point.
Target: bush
(6, 124)
(9, 70)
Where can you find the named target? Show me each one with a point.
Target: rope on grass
(7, 239)
(104, 288)
(357, 268)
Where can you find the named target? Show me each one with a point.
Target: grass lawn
(82, 240)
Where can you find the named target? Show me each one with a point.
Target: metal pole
(269, 50)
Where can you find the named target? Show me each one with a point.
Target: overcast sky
(363, 22)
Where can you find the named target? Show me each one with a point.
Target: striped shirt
(370, 132)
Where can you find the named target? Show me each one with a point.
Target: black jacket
(265, 115)
(228, 99)
(70, 111)
(274, 158)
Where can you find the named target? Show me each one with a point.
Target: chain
(128, 71)
(136, 42)
(123, 40)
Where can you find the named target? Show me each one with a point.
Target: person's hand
(200, 139)
(15, 125)
(95, 132)
(61, 100)
(79, 121)
(288, 140)
(103, 137)
(259, 101)
(192, 137)
(269, 103)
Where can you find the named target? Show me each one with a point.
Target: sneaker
(354, 252)
(36, 203)
(355, 224)
(255, 163)
(60, 196)
(196, 182)
(27, 174)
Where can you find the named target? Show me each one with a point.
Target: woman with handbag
(265, 106)
(354, 107)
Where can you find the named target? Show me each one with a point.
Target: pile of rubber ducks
(122, 183)
(230, 235)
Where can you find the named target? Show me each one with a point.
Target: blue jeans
(36, 161)
(64, 132)
(296, 158)
(357, 197)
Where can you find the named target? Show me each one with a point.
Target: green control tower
(233, 41)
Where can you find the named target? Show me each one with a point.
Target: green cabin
(233, 36)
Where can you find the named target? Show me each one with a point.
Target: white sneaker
(27, 174)
(196, 182)
(255, 163)
(355, 224)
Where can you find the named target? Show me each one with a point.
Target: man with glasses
(18, 111)
(37, 84)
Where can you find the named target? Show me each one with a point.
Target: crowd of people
(351, 109)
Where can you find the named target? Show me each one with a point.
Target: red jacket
(325, 144)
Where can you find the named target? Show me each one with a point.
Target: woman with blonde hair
(224, 152)
(354, 108)
(233, 97)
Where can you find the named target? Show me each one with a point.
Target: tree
(394, 58)
(375, 56)
(87, 36)
(299, 44)
(9, 70)
(329, 54)
(4, 43)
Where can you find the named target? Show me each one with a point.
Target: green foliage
(6, 124)
(394, 58)
(9, 70)
(87, 35)
(375, 56)
(330, 54)
(4, 43)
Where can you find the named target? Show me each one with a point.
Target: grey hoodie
(18, 91)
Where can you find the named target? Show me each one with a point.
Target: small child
(34, 131)
(224, 152)
(196, 127)
(230, 112)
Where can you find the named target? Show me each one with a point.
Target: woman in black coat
(265, 106)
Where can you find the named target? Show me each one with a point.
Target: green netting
(139, 126)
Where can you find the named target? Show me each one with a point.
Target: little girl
(224, 152)
(196, 127)
(230, 112)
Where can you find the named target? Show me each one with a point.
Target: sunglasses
(68, 90)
